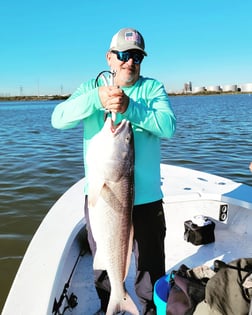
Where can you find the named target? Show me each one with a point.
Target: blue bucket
(161, 293)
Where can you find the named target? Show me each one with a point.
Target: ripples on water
(38, 163)
(213, 135)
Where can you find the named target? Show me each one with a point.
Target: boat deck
(231, 241)
(54, 249)
(83, 287)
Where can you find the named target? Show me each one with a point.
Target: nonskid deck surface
(232, 238)
(82, 285)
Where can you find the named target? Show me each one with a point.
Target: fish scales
(110, 160)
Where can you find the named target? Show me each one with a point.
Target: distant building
(213, 88)
(247, 87)
(188, 87)
(198, 89)
(229, 88)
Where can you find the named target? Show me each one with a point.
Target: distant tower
(21, 90)
(190, 86)
(38, 88)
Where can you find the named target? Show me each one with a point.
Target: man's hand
(113, 99)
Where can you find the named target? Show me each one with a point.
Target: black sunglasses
(126, 55)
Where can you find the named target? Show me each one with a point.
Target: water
(38, 163)
(213, 135)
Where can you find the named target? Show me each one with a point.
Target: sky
(52, 46)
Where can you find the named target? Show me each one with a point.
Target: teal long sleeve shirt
(151, 116)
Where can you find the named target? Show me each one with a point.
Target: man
(144, 102)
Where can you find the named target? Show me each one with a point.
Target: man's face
(127, 69)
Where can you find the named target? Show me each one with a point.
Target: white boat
(55, 276)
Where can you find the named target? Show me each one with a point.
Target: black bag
(185, 293)
(199, 235)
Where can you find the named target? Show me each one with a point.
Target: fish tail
(126, 305)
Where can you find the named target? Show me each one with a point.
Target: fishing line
(108, 80)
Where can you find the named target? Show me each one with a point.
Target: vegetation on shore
(33, 98)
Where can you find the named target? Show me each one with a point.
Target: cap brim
(129, 47)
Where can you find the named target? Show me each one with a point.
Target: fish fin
(94, 192)
(98, 263)
(129, 252)
(126, 304)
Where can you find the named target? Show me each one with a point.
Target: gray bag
(229, 291)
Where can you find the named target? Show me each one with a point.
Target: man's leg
(149, 235)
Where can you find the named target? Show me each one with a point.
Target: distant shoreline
(33, 98)
(63, 97)
(205, 93)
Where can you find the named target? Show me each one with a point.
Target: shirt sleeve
(81, 104)
(151, 110)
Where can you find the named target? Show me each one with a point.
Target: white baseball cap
(126, 39)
